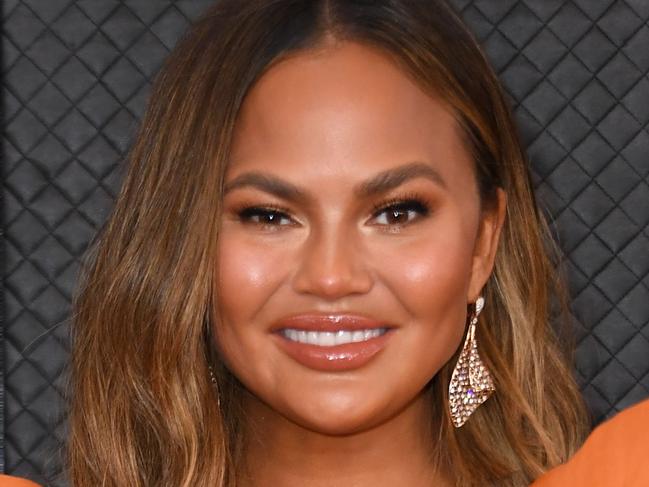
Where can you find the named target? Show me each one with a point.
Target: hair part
(143, 410)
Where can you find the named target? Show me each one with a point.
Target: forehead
(348, 105)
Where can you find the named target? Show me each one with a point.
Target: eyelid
(401, 200)
(411, 198)
(281, 211)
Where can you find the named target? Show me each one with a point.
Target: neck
(395, 452)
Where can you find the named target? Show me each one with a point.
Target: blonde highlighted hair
(143, 411)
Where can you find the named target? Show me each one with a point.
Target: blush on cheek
(234, 274)
(241, 265)
(438, 260)
(434, 287)
(244, 275)
(431, 280)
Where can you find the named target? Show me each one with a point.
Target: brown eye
(264, 216)
(400, 213)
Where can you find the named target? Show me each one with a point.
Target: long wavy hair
(143, 411)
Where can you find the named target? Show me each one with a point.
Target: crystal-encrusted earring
(215, 385)
(471, 383)
(212, 376)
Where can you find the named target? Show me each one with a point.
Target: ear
(484, 252)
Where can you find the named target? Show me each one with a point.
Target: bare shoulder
(9, 481)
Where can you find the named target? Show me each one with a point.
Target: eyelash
(404, 203)
(248, 212)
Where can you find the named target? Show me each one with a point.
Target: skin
(325, 122)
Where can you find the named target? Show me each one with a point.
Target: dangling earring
(215, 384)
(471, 383)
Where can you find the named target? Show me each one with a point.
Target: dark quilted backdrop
(76, 76)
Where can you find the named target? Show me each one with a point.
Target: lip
(337, 358)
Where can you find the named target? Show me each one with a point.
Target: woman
(329, 206)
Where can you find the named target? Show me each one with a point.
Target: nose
(332, 265)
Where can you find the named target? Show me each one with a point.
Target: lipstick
(331, 342)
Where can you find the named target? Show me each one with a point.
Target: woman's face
(351, 240)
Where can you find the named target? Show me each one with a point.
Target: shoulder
(9, 481)
(613, 454)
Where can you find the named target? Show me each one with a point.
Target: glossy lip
(334, 358)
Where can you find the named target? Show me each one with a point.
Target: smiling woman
(321, 178)
(329, 209)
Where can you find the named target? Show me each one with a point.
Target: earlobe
(484, 255)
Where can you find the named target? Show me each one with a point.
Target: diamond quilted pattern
(73, 78)
(98, 53)
(620, 23)
(73, 27)
(619, 74)
(77, 75)
(632, 49)
(569, 24)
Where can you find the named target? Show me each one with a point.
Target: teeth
(330, 338)
(358, 336)
(343, 336)
(326, 339)
(312, 337)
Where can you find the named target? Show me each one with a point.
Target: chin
(338, 415)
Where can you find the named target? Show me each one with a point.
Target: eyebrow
(378, 184)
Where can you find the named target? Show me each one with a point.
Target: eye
(400, 212)
(265, 216)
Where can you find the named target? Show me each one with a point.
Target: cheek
(430, 279)
(246, 276)
(244, 280)
(250, 270)
(433, 270)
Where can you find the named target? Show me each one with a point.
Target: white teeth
(329, 338)
(326, 339)
(343, 336)
(312, 337)
(358, 336)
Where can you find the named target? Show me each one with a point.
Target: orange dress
(614, 455)
(9, 481)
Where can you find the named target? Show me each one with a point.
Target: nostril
(331, 284)
(332, 266)
(332, 279)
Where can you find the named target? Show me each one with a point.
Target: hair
(143, 411)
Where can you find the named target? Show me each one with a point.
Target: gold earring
(212, 376)
(215, 385)
(471, 383)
